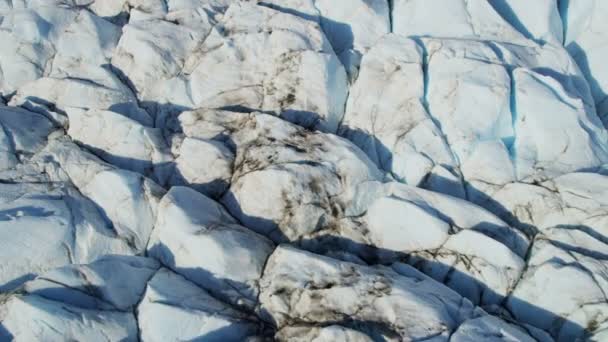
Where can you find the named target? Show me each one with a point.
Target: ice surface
(303, 170)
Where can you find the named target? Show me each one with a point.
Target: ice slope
(303, 170)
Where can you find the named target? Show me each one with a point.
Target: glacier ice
(303, 170)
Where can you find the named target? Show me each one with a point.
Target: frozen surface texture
(303, 170)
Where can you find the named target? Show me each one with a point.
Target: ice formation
(303, 170)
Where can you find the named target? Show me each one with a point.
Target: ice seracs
(204, 165)
(63, 61)
(475, 19)
(139, 148)
(585, 39)
(175, 309)
(53, 97)
(540, 21)
(22, 134)
(303, 170)
(85, 302)
(52, 40)
(478, 255)
(49, 225)
(128, 199)
(352, 28)
(196, 237)
(383, 303)
(57, 321)
(93, 286)
(155, 50)
(290, 67)
(391, 83)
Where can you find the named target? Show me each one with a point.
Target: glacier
(303, 170)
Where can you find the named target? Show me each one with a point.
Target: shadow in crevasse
(580, 56)
(306, 16)
(15, 283)
(339, 34)
(225, 290)
(381, 155)
(580, 85)
(486, 201)
(240, 296)
(165, 173)
(93, 297)
(504, 9)
(80, 296)
(5, 335)
(587, 230)
(578, 249)
(87, 297)
(163, 113)
(577, 52)
(11, 214)
(232, 293)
